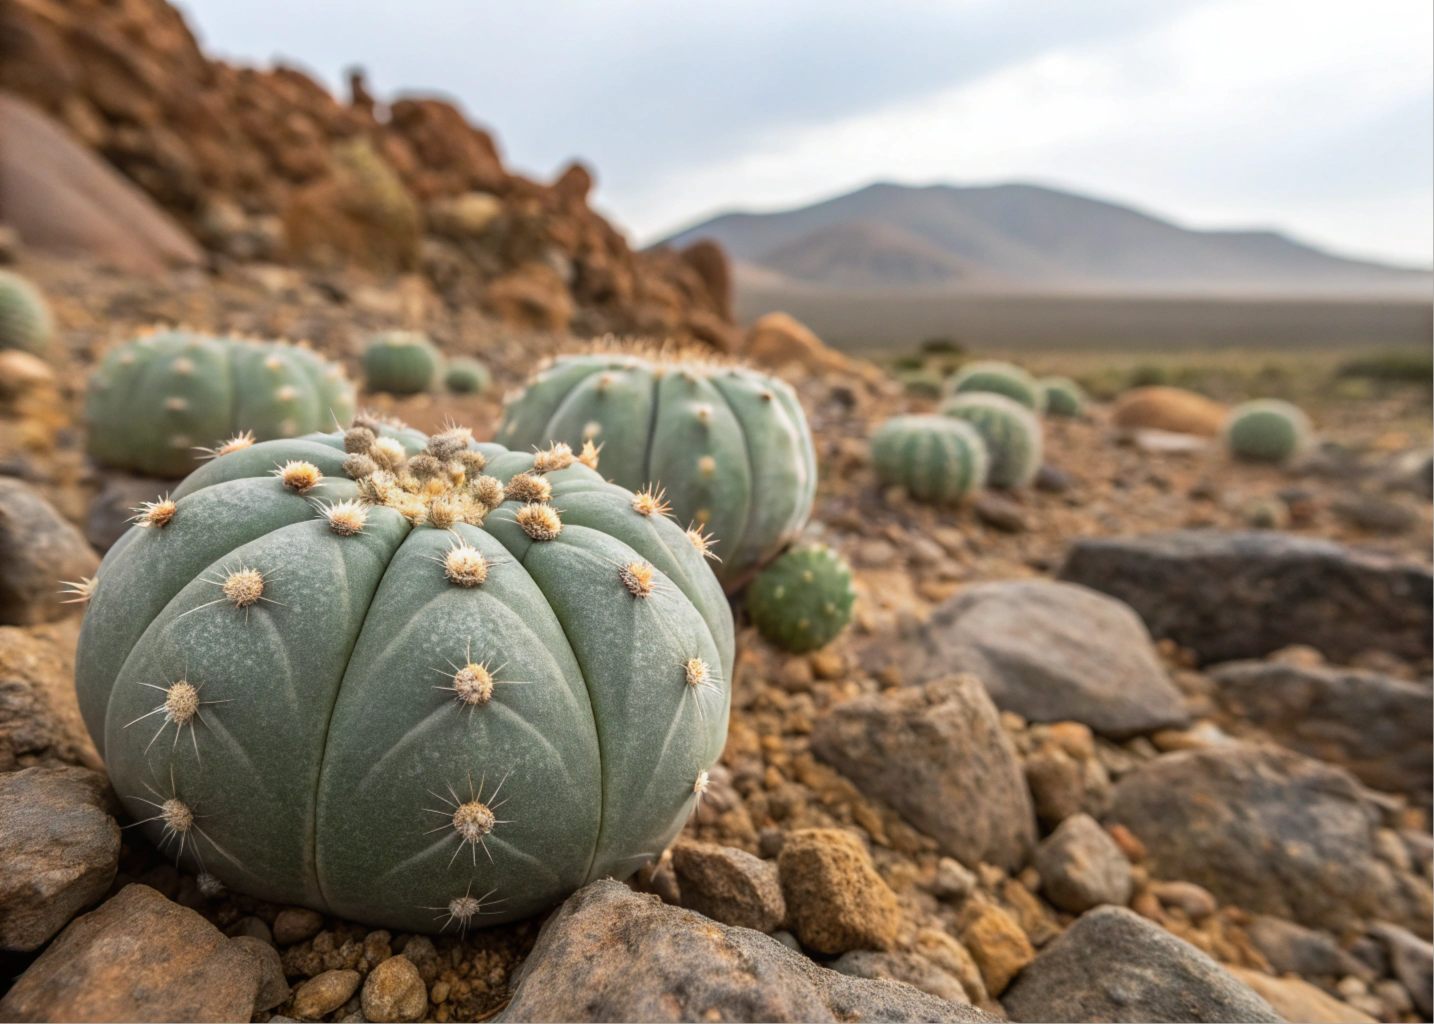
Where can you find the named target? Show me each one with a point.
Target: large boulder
(39, 552)
(1375, 725)
(1113, 965)
(141, 957)
(1264, 829)
(1050, 652)
(612, 954)
(938, 755)
(1243, 594)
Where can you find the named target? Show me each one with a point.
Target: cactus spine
(400, 362)
(25, 321)
(1000, 379)
(1011, 431)
(936, 458)
(466, 377)
(803, 600)
(1064, 397)
(351, 672)
(1267, 430)
(156, 402)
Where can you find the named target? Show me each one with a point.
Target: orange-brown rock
(533, 295)
(778, 340)
(359, 213)
(1173, 409)
(835, 899)
(996, 943)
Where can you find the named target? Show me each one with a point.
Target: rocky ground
(996, 789)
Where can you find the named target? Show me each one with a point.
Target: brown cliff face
(267, 164)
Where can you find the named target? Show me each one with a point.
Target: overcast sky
(1312, 116)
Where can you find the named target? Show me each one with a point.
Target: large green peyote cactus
(803, 600)
(1267, 430)
(422, 683)
(155, 401)
(729, 446)
(1011, 431)
(466, 377)
(936, 458)
(1064, 397)
(1000, 379)
(25, 321)
(400, 362)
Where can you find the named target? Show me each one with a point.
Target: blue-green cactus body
(466, 376)
(936, 458)
(730, 447)
(1064, 397)
(338, 757)
(154, 403)
(401, 363)
(1267, 430)
(990, 376)
(803, 600)
(25, 320)
(1011, 431)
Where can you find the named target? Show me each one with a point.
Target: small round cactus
(1011, 431)
(936, 458)
(466, 377)
(421, 682)
(729, 446)
(162, 402)
(400, 362)
(1000, 379)
(1267, 430)
(25, 321)
(803, 600)
(1064, 397)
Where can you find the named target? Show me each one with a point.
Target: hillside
(1031, 238)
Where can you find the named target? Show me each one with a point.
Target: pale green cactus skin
(327, 760)
(1064, 397)
(155, 402)
(729, 446)
(935, 458)
(25, 321)
(1011, 431)
(991, 376)
(1267, 430)
(466, 377)
(400, 363)
(803, 600)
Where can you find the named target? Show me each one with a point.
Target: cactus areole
(424, 683)
(728, 446)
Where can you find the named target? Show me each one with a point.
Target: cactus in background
(1011, 431)
(400, 362)
(1064, 397)
(424, 683)
(729, 446)
(1000, 379)
(803, 600)
(466, 377)
(155, 401)
(936, 458)
(25, 321)
(1267, 430)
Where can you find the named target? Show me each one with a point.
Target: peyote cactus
(155, 400)
(729, 446)
(466, 377)
(25, 321)
(400, 362)
(1064, 397)
(1000, 379)
(936, 458)
(424, 683)
(1267, 430)
(1011, 431)
(803, 600)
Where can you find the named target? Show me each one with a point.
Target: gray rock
(1050, 652)
(59, 849)
(1294, 949)
(938, 755)
(909, 968)
(1375, 725)
(1113, 965)
(729, 885)
(1001, 513)
(1265, 829)
(38, 551)
(1230, 595)
(1376, 514)
(1082, 867)
(1412, 960)
(112, 509)
(140, 957)
(611, 954)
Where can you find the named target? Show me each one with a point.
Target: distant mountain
(1027, 237)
